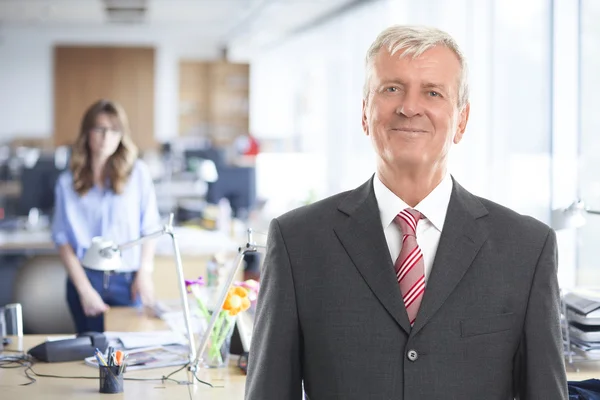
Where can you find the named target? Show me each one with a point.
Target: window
(589, 143)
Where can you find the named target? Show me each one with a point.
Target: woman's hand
(90, 300)
(92, 303)
(144, 287)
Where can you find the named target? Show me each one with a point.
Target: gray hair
(415, 40)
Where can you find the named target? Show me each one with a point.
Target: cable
(23, 360)
(9, 362)
(18, 361)
(164, 378)
(203, 382)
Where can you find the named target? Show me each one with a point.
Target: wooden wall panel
(214, 100)
(194, 99)
(83, 75)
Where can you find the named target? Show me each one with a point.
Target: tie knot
(407, 221)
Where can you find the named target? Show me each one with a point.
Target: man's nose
(410, 105)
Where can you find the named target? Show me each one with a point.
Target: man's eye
(391, 89)
(433, 93)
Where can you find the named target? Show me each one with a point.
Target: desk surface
(124, 319)
(191, 242)
(37, 241)
(580, 371)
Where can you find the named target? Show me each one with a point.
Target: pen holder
(111, 381)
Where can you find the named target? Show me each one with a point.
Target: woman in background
(106, 192)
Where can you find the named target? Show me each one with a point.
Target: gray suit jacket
(330, 313)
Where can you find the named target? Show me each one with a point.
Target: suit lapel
(362, 236)
(461, 240)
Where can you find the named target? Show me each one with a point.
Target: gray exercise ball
(40, 287)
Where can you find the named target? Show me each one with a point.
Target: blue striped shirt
(101, 212)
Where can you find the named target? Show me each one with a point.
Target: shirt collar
(434, 206)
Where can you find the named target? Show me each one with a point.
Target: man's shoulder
(506, 218)
(318, 211)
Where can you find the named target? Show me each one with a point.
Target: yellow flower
(237, 301)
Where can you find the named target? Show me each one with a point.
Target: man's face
(411, 112)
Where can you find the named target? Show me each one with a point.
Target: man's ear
(365, 123)
(462, 123)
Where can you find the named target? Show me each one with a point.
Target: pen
(122, 366)
(119, 357)
(110, 356)
(100, 358)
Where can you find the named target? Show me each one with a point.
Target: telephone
(79, 348)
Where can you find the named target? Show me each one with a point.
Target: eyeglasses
(103, 130)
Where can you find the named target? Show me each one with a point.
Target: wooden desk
(585, 370)
(196, 248)
(127, 319)
(26, 241)
(118, 319)
(192, 242)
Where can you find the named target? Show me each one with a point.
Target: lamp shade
(208, 171)
(102, 255)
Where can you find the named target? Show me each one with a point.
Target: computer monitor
(236, 184)
(215, 155)
(37, 186)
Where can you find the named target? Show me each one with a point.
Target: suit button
(412, 355)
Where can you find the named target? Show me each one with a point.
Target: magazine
(151, 357)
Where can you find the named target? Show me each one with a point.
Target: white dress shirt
(429, 228)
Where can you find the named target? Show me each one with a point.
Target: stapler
(79, 348)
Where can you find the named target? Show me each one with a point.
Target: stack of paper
(133, 340)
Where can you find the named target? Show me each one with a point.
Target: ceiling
(224, 20)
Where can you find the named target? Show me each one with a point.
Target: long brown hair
(118, 166)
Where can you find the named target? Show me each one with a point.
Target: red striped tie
(410, 268)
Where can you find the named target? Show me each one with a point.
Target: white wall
(309, 89)
(26, 72)
(588, 185)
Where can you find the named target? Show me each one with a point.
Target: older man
(409, 287)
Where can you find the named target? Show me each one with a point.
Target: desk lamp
(104, 255)
(571, 217)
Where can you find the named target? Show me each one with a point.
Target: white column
(565, 131)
